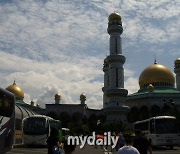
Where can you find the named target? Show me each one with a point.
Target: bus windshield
(166, 126)
(35, 126)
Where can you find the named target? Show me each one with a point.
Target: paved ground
(88, 150)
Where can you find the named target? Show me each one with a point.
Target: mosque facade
(159, 91)
(157, 94)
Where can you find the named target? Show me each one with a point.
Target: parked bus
(36, 129)
(160, 130)
(7, 120)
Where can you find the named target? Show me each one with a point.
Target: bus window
(166, 126)
(141, 126)
(34, 126)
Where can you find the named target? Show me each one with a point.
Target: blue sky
(51, 46)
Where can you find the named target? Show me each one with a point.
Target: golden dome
(37, 105)
(177, 61)
(16, 90)
(32, 103)
(150, 87)
(57, 96)
(82, 96)
(156, 73)
(114, 16)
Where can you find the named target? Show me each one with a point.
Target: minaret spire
(114, 92)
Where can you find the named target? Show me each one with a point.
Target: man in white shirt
(128, 147)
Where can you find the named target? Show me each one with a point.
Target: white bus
(36, 129)
(160, 130)
(7, 120)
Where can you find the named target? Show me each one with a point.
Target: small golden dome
(57, 96)
(177, 61)
(156, 73)
(114, 16)
(150, 87)
(82, 96)
(16, 90)
(32, 103)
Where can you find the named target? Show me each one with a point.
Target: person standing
(142, 143)
(128, 147)
(53, 142)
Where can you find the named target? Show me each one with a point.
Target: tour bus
(36, 129)
(7, 120)
(160, 130)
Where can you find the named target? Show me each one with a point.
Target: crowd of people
(127, 144)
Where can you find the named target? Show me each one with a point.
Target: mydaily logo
(107, 139)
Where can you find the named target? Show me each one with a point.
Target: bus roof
(38, 116)
(157, 117)
(67, 129)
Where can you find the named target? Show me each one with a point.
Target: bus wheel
(171, 147)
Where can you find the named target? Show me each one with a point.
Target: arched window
(144, 113)
(77, 118)
(133, 115)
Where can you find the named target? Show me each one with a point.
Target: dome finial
(14, 82)
(155, 61)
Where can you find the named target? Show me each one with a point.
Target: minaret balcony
(120, 92)
(116, 58)
(116, 108)
(115, 28)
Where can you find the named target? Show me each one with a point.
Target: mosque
(158, 94)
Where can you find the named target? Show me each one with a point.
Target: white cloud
(131, 84)
(42, 79)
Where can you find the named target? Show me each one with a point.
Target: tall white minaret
(177, 71)
(114, 92)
